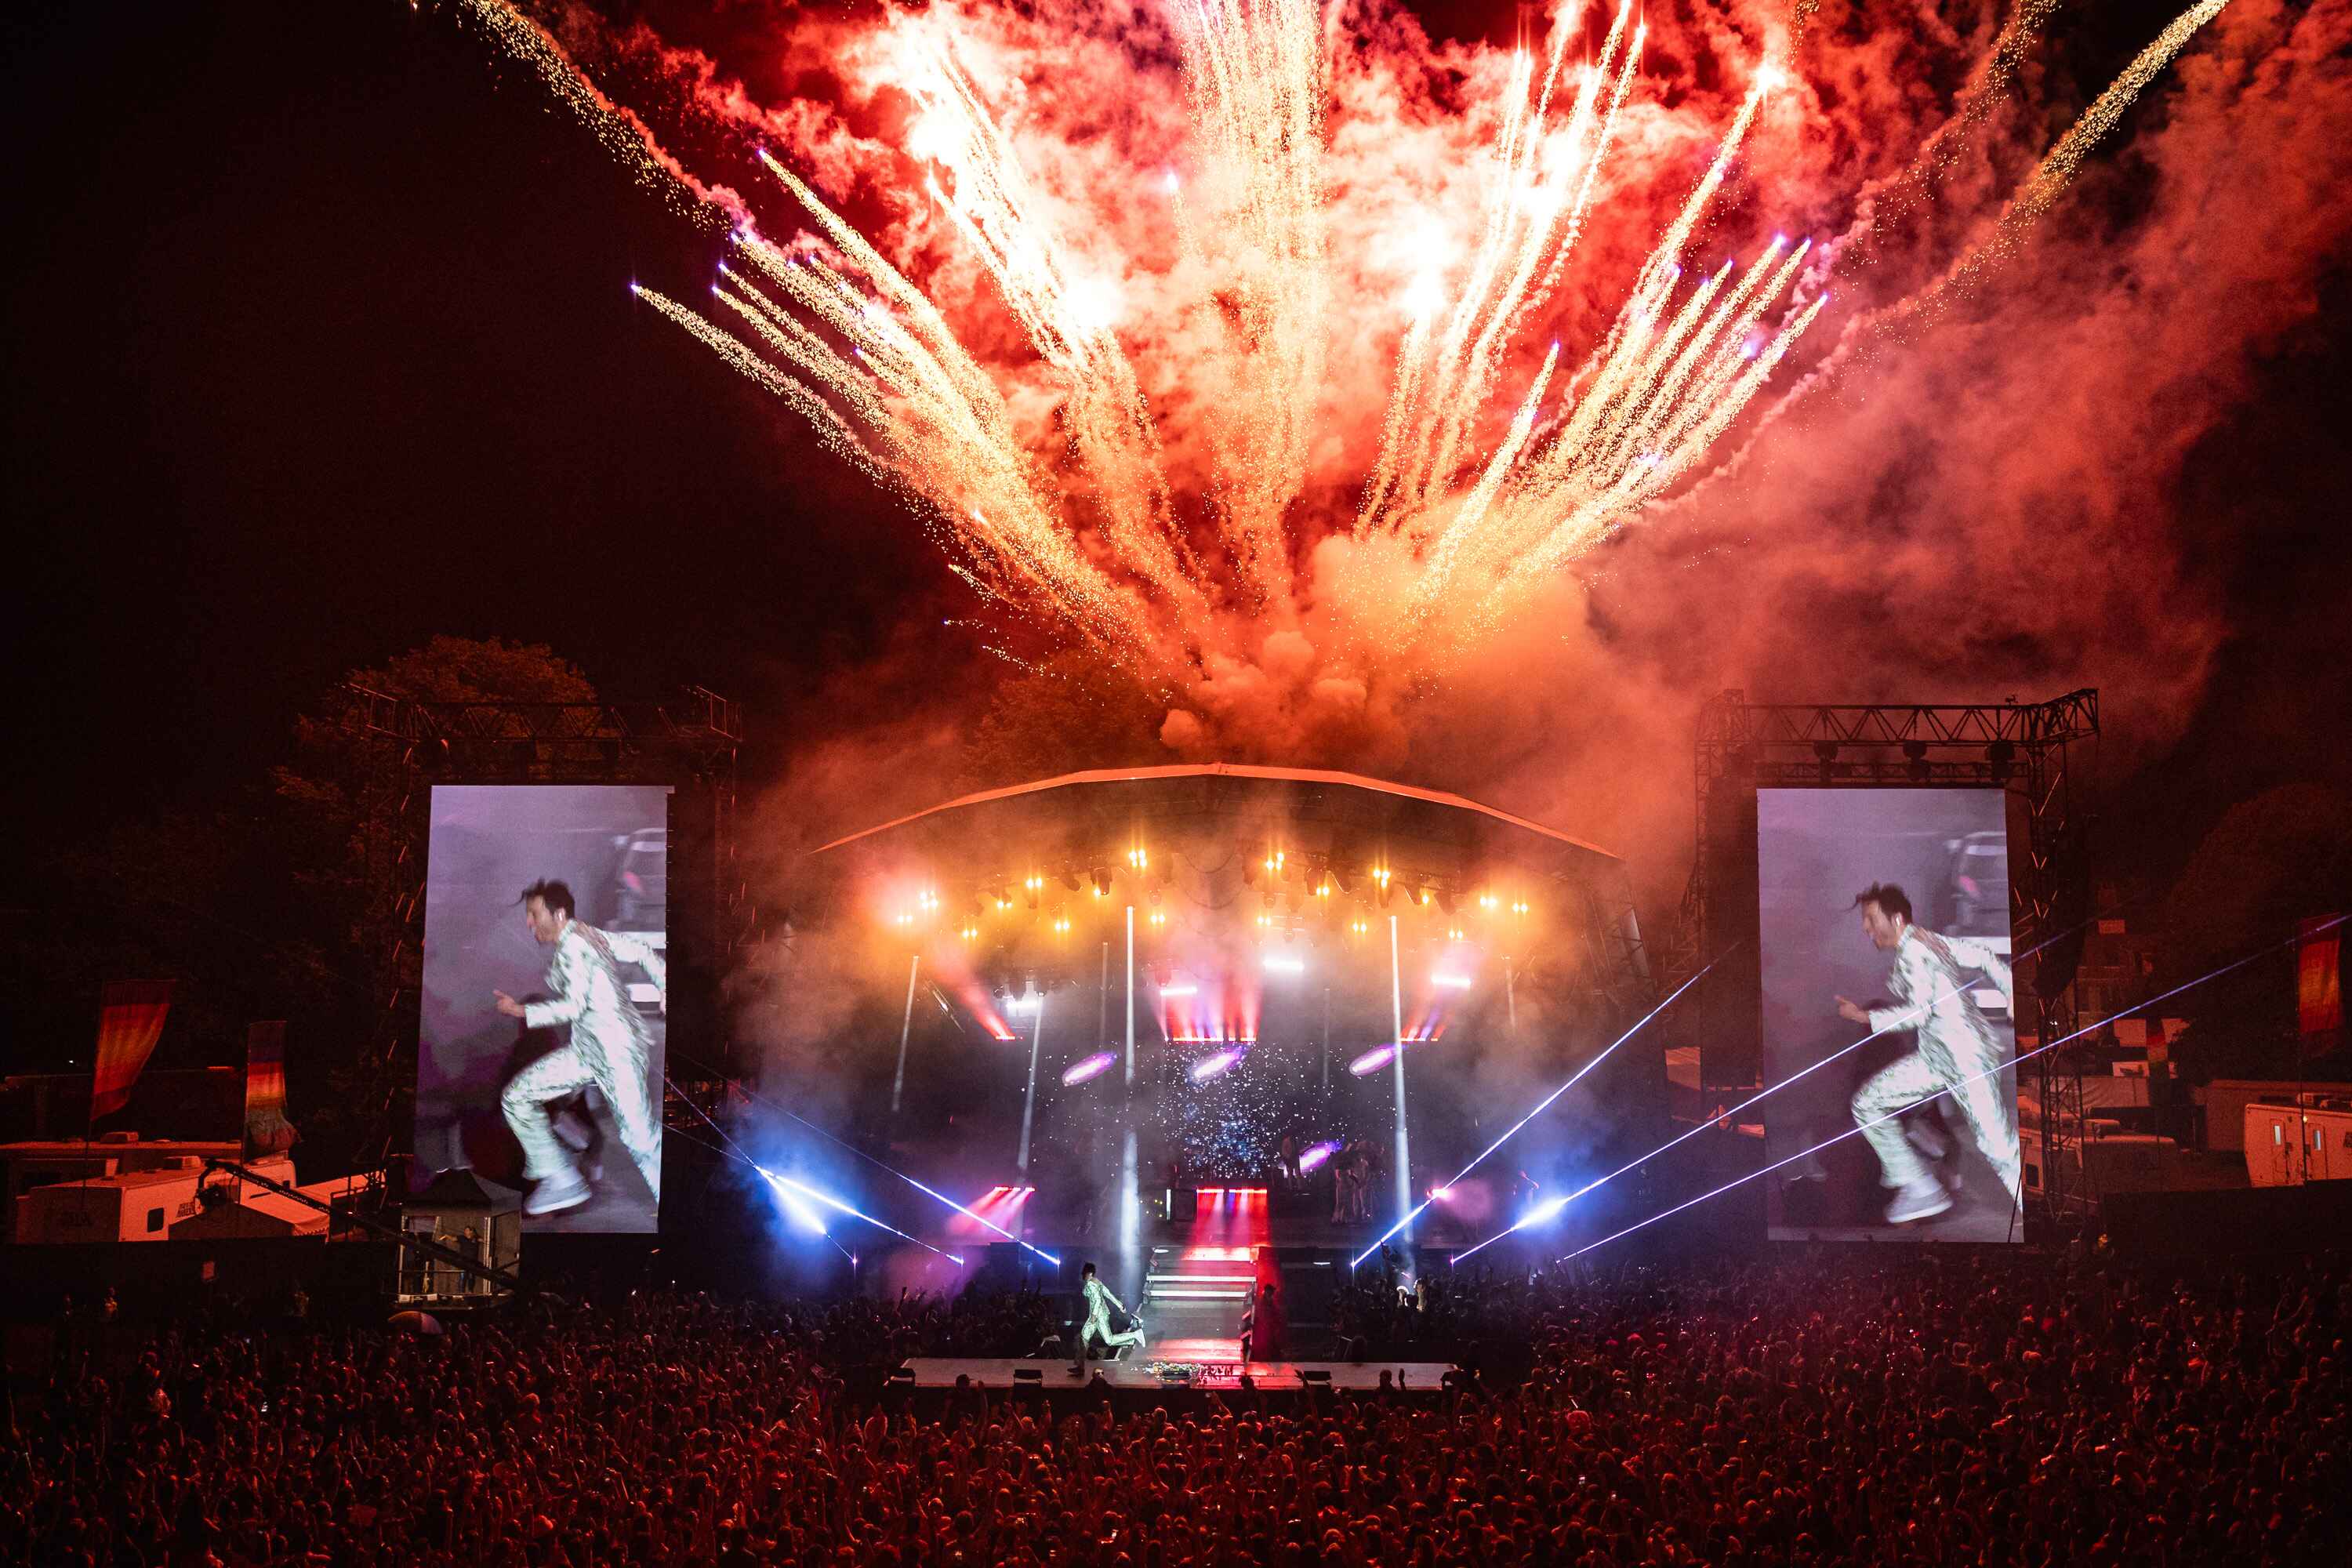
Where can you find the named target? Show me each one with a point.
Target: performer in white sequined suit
(610, 1046)
(1097, 1303)
(1958, 1052)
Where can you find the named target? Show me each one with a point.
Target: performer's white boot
(564, 1190)
(1922, 1199)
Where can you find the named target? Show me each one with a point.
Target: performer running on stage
(610, 1046)
(1958, 1052)
(1097, 1325)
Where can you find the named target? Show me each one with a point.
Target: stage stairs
(1194, 1293)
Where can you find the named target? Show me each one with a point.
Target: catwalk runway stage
(1201, 1372)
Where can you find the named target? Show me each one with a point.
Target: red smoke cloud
(1975, 500)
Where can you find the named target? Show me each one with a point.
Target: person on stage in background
(610, 1046)
(1266, 1327)
(1096, 1302)
(1958, 1052)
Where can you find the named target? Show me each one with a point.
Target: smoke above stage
(1328, 380)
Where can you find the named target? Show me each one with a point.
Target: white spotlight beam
(1541, 1107)
(1859, 1129)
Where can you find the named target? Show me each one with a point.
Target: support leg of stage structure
(905, 1027)
(1130, 1186)
(1396, 1016)
(1029, 1101)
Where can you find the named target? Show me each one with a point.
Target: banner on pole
(2319, 983)
(267, 1130)
(130, 1014)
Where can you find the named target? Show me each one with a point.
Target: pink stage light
(1225, 1061)
(1317, 1155)
(1094, 1066)
(1373, 1060)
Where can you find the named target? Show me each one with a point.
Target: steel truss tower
(406, 747)
(2045, 754)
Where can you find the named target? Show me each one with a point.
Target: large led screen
(546, 995)
(1885, 950)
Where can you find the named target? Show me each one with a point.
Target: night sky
(320, 343)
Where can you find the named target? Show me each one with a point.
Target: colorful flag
(267, 1130)
(129, 1020)
(2319, 983)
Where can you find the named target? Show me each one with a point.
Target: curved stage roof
(1240, 788)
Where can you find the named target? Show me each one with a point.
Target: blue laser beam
(927, 1192)
(1543, 1106)
(1861, 1128)
(1759, 1094)
(785, 1185)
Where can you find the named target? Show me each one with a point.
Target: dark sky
(319, 344)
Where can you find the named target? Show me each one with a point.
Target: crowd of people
(1879, 1407)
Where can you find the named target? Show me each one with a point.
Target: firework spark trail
(2058, 167)
(1899, 194)
(1864, 333)
(1256, 77)
(1468, 517)
(1067, 322)
(830, 426)
(950, 436)
(622, 134)
(1444, 380)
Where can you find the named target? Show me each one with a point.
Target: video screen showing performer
(1885, 921)
(546, 997)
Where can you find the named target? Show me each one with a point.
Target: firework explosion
(1198, 537)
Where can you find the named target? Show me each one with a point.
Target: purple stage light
(1223, 1061)
(1092, 1067)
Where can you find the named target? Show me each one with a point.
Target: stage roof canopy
(1206, 864)
(1327, 816)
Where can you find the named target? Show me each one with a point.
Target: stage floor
(933, 1372)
